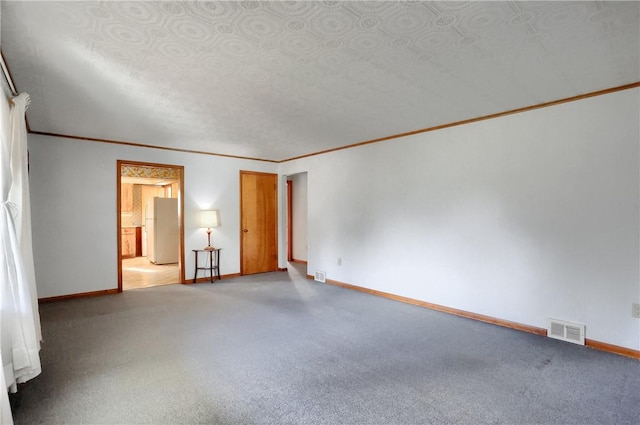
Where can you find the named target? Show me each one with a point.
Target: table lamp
(209, 219)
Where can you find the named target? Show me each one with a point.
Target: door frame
(180, 168)
(240, 230)
(289, 220)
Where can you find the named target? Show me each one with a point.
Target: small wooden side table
(211, 263)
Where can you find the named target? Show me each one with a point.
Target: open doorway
(150, 224)
(297, 222)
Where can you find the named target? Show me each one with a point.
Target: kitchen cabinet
(138, 241)
(126, 197)
(128, 240)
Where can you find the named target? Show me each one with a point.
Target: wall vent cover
(320, 277)
(566, 331)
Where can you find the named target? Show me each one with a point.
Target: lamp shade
(209, 219)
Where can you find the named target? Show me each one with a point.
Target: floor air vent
(566, 331)
(320, 277)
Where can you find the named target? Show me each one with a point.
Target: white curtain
(5, 133)
(19, 195)
(20, 332)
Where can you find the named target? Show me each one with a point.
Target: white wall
(524, 217)
(73, 195)
(299, 215)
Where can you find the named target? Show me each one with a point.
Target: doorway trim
(289, 220)
(180, 168)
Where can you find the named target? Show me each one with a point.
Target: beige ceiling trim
(143, 145)
(472, 120)
(367, 142)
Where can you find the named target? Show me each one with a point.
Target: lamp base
(209, 247)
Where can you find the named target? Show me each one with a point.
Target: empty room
(320, 212)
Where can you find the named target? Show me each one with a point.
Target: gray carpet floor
(279, 349)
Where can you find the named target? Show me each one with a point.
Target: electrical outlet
(636, 311)
(339, 261)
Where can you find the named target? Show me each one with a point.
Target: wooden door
(258, 222)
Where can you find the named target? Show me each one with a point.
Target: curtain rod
(7, 75)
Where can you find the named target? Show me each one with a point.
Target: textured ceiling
(276, 80)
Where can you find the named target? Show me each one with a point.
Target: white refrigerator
(162, 230)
